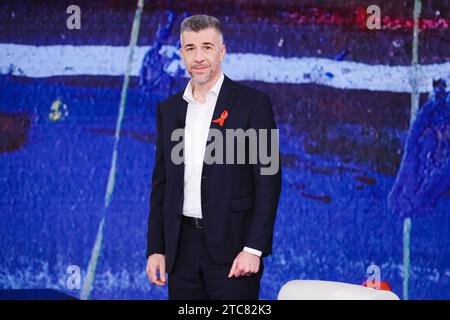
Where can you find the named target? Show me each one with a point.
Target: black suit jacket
(238, 203)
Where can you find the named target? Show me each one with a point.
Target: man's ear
(180, 50)
(224, 48)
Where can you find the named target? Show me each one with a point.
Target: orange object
(222, 118)
(383, 285)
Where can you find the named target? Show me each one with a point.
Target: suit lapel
(225, 101)
(181, 124)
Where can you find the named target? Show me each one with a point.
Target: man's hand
(156, 262)
(245, 264)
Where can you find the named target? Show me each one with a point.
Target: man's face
(202, 53)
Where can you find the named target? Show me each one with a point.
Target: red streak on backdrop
(344, 14)
(357, 18)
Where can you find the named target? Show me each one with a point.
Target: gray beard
(203, 81)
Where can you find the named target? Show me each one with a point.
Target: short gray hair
(200, 22)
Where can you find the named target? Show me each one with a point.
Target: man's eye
(189, 49)
(208, 48)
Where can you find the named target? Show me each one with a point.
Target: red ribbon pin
(222, 118)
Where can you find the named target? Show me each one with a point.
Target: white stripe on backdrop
(67, 60)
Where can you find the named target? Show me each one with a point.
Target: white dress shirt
(198, 121)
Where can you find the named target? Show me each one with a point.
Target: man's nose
(198, 56)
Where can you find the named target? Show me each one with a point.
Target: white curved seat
(330, 290)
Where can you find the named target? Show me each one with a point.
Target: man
(210, 225)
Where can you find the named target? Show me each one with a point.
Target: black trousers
(196, 276)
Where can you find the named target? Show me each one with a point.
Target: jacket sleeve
(267, 186)
(155, 231)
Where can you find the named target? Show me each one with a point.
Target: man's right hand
(156, 262)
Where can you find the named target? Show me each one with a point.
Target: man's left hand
(245, 264)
